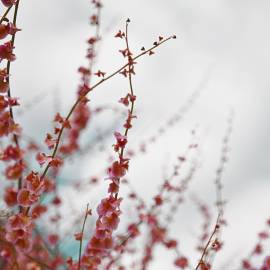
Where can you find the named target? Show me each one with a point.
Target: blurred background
(219, 61)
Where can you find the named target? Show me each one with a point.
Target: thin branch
(15, 137)
(81, 98)
(5, 14)
(201, 261)
(81, 236)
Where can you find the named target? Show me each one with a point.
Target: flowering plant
(31, 192)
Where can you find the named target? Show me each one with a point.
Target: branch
(81, 98)
(5, 14)
(81, 236)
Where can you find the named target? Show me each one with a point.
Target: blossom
(50, 142)
(121, 141)
(43, 158)
(53, 239)
(8, 3)
(110, 222)
(13, 172)
(34, 183)
(6, 51)
(11, 153)
(26, 197)
(4, 86)
(100, 73)
(108, 205)
(10, 196)
(181, 262)
(7, 29)
(38, 210)
(117, 170)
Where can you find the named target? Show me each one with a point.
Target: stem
(130, 64)
(97, 34)
(5, 14)
(208, 243)
(15, 137)
(81, 240)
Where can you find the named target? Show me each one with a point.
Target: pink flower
(42, 158)
(50, 141)
(6, 52)
(181, 262)
(34, 183)
(8, 3)
(10, 196)
(26, 198)
(121, 141)
(108, 206)
(7, 29)
(53, 239)
(111, 222)
(24, 244)
(117, 170)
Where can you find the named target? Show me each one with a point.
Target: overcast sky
(222, 48)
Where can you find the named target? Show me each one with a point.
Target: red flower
(108, 206)
(100, 73)
(50, 142)
(121, 141)
(181, 262)
(6, 52)
(7, 29)
(120, 34)
(117, 170)
(12, 153)
(10, 196)
(42, 158)
(53, 239)
(26, 198)
(4, 86)
(38, 210)
(34, 183)
(8, 3)
(14, 172)
(111, 222)
(78, 236)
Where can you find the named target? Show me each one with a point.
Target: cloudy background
(222, 49)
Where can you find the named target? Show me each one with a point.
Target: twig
(81, 236)
(5, 14)
(15, 137)
(201, 261)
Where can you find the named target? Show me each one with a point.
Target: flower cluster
(18, 232)
(31, 191)
(102, 241)
(82, 113)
